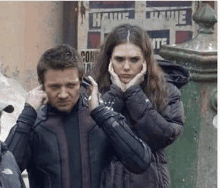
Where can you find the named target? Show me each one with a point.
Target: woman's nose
(126, 65)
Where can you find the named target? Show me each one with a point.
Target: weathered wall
(27, 30)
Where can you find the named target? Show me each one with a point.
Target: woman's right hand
(114, 77)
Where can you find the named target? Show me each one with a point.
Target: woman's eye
(119, 59)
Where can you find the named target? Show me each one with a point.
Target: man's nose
(63, 93)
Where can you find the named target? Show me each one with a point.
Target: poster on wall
(101, 11)
(166, 22)
(177, 12)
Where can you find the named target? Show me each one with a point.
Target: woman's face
(127, 60)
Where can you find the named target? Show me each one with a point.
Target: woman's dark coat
(158, 130)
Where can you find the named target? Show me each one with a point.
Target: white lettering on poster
(157, 42)
(98, 17)
(179, 16)
(89, 56)
(182, 17)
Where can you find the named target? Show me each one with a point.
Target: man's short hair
(59, 58)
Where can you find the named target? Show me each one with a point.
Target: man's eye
(71, 85)
(54, 87)
(134, 60)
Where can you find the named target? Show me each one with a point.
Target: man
(10, 175)
(59, 143)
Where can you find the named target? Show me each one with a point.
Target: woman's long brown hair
(154, 84)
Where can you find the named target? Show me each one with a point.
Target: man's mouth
(63, 103)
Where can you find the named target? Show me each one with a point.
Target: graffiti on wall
(166, 22)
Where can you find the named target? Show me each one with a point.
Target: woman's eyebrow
(118, 55)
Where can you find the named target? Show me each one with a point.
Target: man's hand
(114, 77)
(139, 78)
(36, 97)
(94, 96)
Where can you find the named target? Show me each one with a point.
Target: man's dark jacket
(10, 174)
(40, 146)
(158, 130)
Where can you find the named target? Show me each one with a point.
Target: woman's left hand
(139, 78)
(94, 95)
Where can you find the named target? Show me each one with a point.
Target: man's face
(62, 88)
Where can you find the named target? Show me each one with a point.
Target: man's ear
(43, 88)
(39, 81)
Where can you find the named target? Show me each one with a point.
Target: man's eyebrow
(72, 82)
(136, 56)
(54, 84)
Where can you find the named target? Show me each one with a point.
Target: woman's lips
(126, 76)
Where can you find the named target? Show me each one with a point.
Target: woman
(132, 81)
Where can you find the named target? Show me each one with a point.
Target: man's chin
(64, 109)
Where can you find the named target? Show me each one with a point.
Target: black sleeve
(157, 130)
(114, 97)
(19, 138)
(131, 151)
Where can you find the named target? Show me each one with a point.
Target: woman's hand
(139, 78)
(94, 95)
(114, 77)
